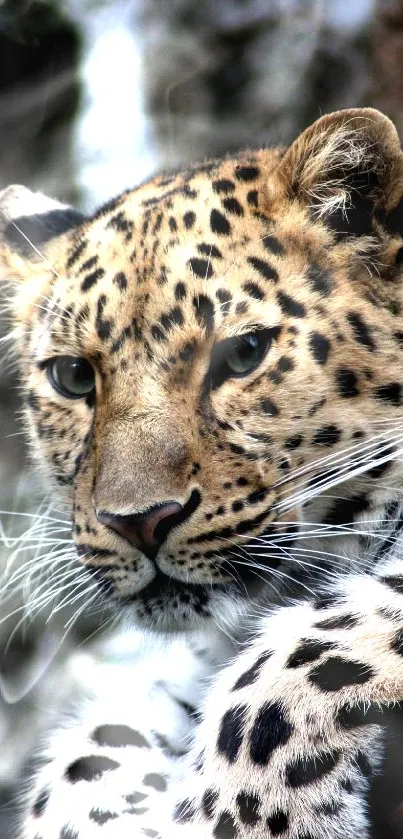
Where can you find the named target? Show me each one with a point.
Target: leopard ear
(348, 167)
(28, 220)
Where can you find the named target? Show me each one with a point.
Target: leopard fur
(198, 490)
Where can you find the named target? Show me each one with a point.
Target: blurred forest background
(95, 96)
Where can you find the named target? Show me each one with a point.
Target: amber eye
(73, 377)
(238, 356)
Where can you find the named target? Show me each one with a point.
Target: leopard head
(208, 353)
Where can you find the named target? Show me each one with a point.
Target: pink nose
(146, 531)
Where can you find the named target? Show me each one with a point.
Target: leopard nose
(148, 530)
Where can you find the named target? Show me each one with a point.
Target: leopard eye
(244, 353)
(239, 356)
(71, 376)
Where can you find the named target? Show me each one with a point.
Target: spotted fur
(302, 249)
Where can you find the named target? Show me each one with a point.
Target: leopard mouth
(164, 589)
(169, 604)
(238, 578)
(168, 589)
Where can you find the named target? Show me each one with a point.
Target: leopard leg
(293, 730)
(109, 788)
(107, 772)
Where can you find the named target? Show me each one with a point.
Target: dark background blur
(94, 96)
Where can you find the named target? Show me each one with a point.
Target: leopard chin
(168, 604)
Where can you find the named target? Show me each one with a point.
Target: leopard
(211, 367)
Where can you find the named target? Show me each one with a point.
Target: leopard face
(194, 352)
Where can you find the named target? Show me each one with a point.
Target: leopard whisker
(35, 567)
(272, 573)
(84, 587)
(113, 620)
(345, 454)
(325, 483)
(43, 595)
